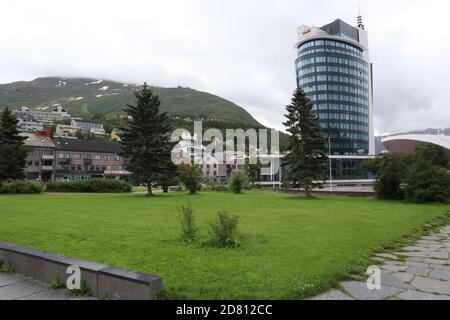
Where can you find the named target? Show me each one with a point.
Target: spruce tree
(307, 155)
(12, 150)
(146, 144)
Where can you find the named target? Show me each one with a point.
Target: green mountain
(103, 101)
(87, 97)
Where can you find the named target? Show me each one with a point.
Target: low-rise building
(408, 143)
(29, 126)
(63, 130)
(57, 113)
(84, 159)
(90, 127)
(40, 159)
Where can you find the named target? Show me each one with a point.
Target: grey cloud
(240, 50)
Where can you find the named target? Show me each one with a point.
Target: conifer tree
(307, 155)
(146, 144)
(12, 150)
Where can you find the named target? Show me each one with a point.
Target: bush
(217, 187)
(190, 176)
(238, 182)
(20, 187)
(390, 171)
(427, 183)
(90, 186)
(188, 229)
(224, 230)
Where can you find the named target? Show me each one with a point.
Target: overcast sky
(241, 50)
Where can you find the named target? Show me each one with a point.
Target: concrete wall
(103, 281)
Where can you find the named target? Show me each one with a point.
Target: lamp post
(329, 163)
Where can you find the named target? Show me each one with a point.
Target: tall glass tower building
(334, 70)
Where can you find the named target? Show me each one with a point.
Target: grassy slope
(292, 247)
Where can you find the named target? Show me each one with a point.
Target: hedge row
(90, 186)
(20, 187)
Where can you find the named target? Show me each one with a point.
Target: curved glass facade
(335, 77)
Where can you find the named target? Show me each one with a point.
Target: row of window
(346, 135)
(42, 152)
(335, 69)
(354, 146)
(330, 50)
(338, 97)
(333, 78)
(87, 168)
(332, 87)
(340, 107)
(344, 126)
(335, 60)
(337, 45)
(88, 156)
(342, 116)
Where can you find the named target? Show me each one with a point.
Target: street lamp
(329, 161)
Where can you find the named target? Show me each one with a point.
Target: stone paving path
(18, 287)
(418, 272)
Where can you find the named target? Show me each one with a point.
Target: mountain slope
(84, 97)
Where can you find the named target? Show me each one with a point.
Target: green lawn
(292, 247)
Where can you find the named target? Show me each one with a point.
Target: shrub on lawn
(188, 228)
(224, 230)
(238, 182)
(90, 186)
(190, 176)
(20, 187)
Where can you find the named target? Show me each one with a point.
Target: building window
(77, 156)
(98, 157)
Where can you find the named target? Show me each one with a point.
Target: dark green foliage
(426, 181)
(12, 150)
(188, 228)
(307, 157)
(252, 171)
(224, 230)
(146, 140)
(84, 290)
(20, 187)
(390, 171)
(190, 176)
(56, 284)
(217, 187)
(427, 184)
(424, 177)
(238, 182)
(431, 154)
(6, 267)
(90, 186)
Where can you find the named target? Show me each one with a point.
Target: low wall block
(103, 281)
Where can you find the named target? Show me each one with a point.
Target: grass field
(291, 248)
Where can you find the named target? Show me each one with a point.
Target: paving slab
(405, 277)
(9, 278)
(360, 291)
(19, 290)
(17, 287)
(387, 256)
(440, 275)
(431, 285)
(419, 271)
(417, 295)
(332, 295)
